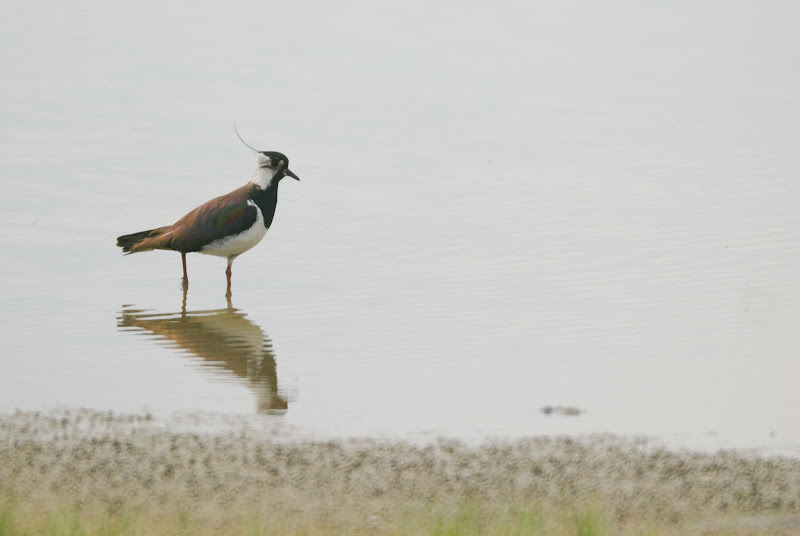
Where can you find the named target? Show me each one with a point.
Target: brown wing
(223, 216)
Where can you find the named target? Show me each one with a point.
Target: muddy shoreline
(104, 463)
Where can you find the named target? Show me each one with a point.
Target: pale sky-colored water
(502, 207)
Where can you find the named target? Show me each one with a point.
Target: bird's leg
(228, 270)
(228, 292)
(185, 277)
(183, 302)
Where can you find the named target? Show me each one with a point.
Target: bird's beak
(292, 175)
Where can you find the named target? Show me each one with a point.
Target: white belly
(236, 245)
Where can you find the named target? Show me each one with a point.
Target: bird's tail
(144, 240)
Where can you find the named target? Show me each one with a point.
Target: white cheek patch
(263, 177)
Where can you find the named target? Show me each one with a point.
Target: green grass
(6, 527)
(590, 522)
(66, 519)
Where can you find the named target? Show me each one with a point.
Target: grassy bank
(94, 473)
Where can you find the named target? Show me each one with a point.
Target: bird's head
(274, 164)
(271, 166)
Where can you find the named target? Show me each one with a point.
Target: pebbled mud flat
(105, 469)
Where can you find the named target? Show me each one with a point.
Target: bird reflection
(224, 338)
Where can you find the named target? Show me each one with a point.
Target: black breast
(266, 200)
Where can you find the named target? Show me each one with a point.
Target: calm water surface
(501, 208)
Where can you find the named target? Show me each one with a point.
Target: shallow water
(500, 209)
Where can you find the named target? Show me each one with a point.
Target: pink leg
(185, 276)
(228, 275)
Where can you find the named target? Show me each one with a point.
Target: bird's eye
(274, 162)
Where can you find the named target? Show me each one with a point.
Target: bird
(225, 226)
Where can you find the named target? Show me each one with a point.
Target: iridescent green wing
(214, 220)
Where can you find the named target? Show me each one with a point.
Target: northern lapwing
(226, 226)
